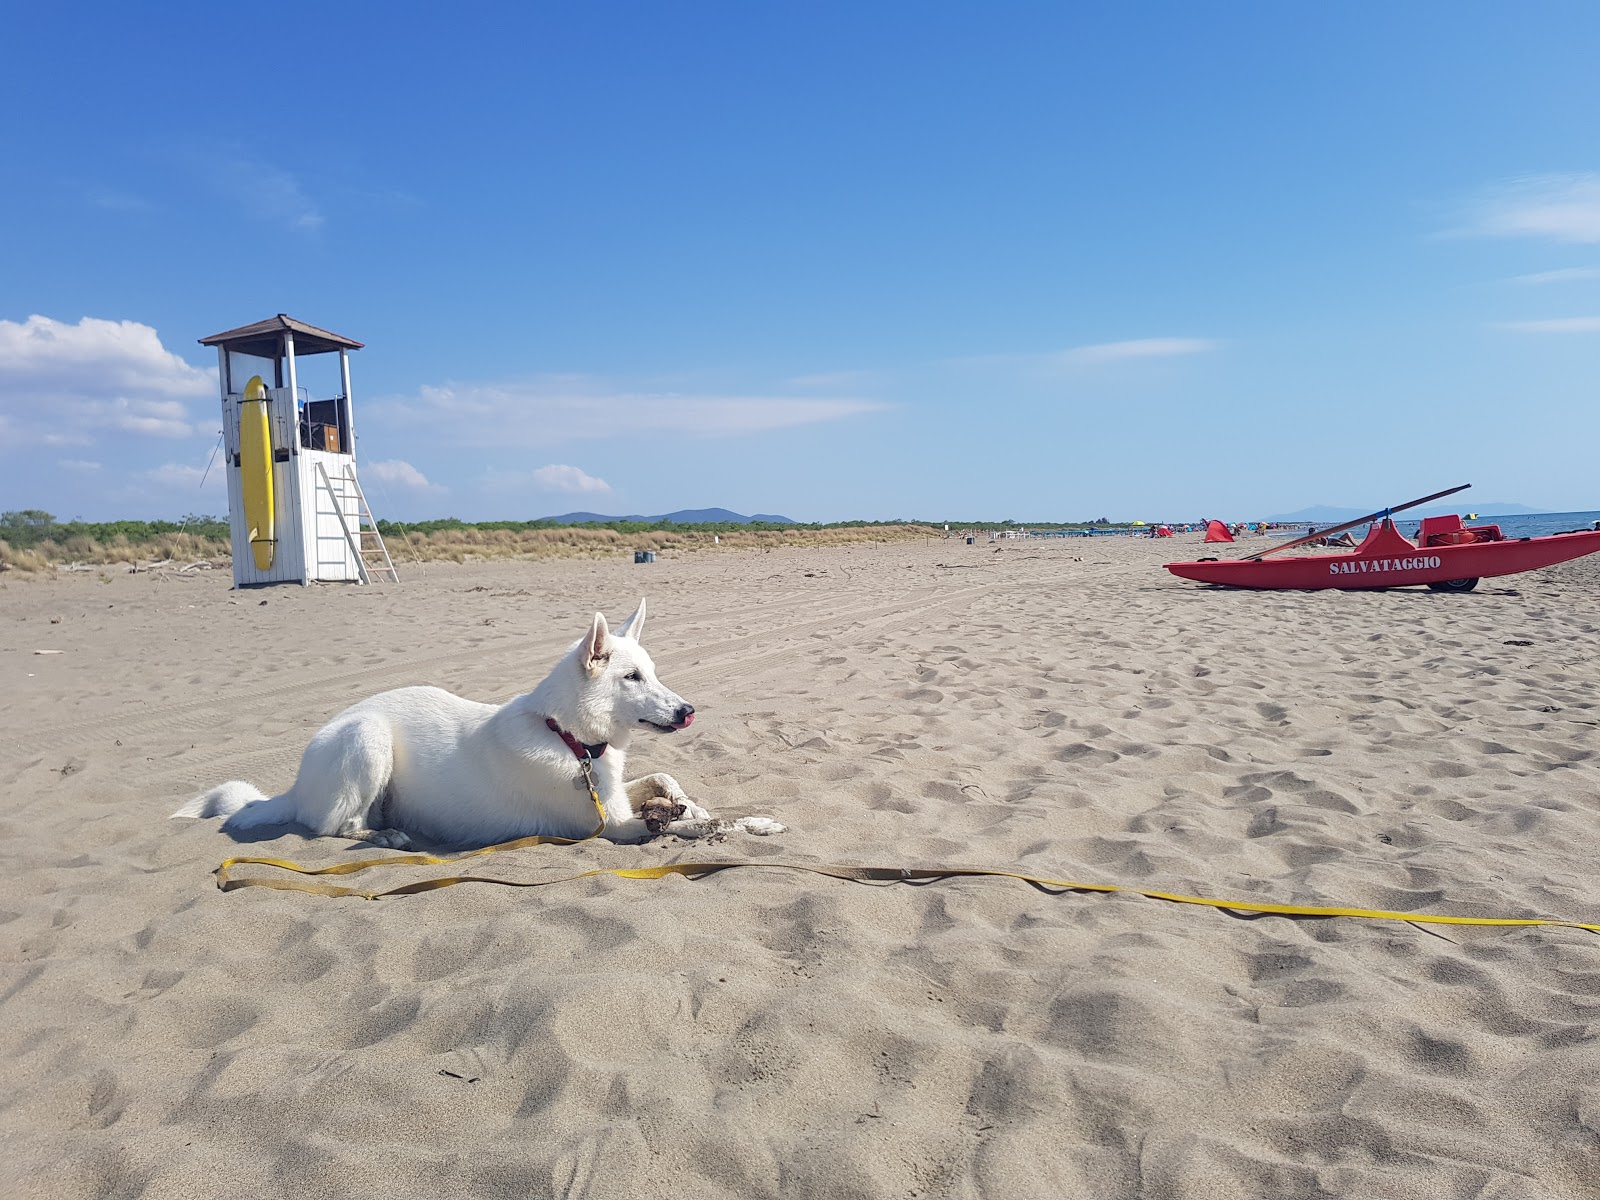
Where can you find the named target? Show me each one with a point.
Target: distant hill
(1323, 514)
(1491, 508)
(1317, 514)
(684, 516)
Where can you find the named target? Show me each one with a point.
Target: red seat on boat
(1445, 531)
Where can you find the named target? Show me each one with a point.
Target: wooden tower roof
(264, 339)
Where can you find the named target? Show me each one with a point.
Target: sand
(1063, 708)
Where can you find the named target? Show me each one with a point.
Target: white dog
(421, 761)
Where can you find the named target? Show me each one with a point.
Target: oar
(1382, 512)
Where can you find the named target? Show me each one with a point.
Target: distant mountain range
(684, 516)
(1323, 513)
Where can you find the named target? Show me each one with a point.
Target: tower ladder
(365, 541)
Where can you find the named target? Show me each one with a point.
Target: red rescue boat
(1448, 556)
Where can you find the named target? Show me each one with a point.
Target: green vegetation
(1036, 526)
(33, 541)
(455, 525)
(32, 527)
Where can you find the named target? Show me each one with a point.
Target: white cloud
(1555, 325)
(264, 192)
(559, 477)
(117, 201)
(149, 417)
(181, 477)
(550, 410)
(78, 466)
(1055, 365)
(64, 384)
(109, 353)
(172, 484)
(834, 381)
(402, 474)
(1561, 275)
(1168, 347)
(1564, 208)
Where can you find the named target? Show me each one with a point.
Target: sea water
(1519, 525)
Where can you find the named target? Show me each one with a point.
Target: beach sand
(1062, 708)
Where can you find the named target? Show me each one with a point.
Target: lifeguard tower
(295, 507)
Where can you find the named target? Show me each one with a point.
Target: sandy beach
(1061, 708)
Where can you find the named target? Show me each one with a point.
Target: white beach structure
(323, 529)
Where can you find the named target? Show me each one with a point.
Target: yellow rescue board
(255, 471)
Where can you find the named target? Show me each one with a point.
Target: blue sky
(1028, 261)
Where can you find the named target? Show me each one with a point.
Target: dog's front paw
(710, 826)
(696, 827)
(760, 826)
(389, 839)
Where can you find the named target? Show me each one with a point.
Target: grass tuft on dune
(462, 545)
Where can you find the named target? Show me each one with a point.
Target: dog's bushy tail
(244, 805)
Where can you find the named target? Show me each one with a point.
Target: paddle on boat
(1448, 556)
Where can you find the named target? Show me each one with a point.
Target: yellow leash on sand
(404, 860)
(884, 875)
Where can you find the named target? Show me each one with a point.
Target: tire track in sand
(729, 659)
(356, 683)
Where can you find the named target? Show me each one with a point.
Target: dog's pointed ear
(633, 627)
(597, 645)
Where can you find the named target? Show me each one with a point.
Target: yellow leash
(854, 874)
(403, 860)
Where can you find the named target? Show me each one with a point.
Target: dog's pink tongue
(687, 721)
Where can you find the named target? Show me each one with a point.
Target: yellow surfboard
(255, 471)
